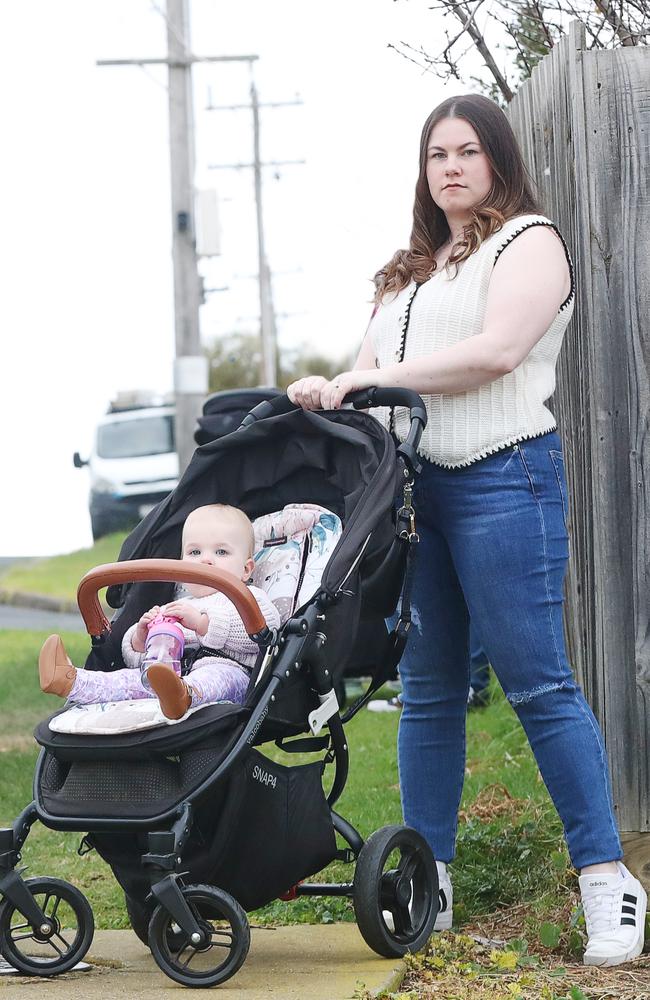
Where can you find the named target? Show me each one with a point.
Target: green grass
(59, 576)
(514, 856)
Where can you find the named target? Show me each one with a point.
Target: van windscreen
(136, 438)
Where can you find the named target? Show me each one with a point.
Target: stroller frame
(409, 892)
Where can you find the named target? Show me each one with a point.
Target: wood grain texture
(583, 121)
(637, 855)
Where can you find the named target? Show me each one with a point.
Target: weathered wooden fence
(583, 121)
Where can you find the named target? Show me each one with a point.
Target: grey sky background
(86, 299)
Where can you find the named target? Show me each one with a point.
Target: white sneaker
(446, 899)
(614, 908)
(392, 705)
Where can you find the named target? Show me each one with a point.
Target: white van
(133, 465)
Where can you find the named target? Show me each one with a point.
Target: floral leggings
(213, 679)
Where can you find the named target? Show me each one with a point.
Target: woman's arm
(529, 283)
(367, 356)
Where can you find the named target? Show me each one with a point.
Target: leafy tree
(306, 361)
(236, 362)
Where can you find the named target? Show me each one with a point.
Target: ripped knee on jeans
(521, 697)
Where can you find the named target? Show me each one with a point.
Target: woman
(472, 316)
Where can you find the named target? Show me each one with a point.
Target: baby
(216, 535)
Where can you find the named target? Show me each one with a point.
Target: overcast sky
(86, 293)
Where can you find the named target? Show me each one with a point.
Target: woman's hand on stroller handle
(306, 392)
(167, 571)
(361, 399)
(314, 392)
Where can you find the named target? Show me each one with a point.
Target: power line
(267, 313)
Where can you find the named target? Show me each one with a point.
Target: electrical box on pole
(208, 229)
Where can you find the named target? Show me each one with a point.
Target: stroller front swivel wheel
(58, 944)
(220, 952)
(396, 891)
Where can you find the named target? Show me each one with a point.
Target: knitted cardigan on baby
(225, 633)
(466, 426)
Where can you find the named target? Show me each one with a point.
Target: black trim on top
(402, 348)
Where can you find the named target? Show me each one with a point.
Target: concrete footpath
(300, 962)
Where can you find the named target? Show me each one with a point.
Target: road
(30, 618)
(47, 621)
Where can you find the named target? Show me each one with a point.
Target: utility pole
(190, 365)
(267, 316)
(268, 332)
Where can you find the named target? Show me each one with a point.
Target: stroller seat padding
(107, 718)
(212, 724)
(292, 549)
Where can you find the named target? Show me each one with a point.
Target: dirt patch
(492, 802)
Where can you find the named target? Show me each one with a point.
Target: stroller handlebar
(395, 396)
(361, 400)
(167, 571)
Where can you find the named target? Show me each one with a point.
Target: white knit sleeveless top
(466, 426)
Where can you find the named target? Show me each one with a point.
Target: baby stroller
(197, 824)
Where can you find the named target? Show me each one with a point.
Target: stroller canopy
(342, 460)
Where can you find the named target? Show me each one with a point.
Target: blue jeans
(494, 547)
(479, 665)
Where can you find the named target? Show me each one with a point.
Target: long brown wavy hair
(511, 194)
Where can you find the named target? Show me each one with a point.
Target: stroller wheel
(396, 891)
(223, 949)
(61, 943)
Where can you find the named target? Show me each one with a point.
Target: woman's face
(458, 171)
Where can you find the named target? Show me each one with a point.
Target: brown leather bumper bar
(167, 571)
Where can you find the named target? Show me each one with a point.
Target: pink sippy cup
(165, 644)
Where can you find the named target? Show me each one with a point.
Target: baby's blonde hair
(224, 508)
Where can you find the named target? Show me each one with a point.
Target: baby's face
(216, 539)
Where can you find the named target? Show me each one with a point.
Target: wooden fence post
(583, 121)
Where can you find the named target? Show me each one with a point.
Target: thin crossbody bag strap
(402, 347)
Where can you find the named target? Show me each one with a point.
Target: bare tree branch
(533, 27)
(479, 42)
(537, 7)
(621, 29)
